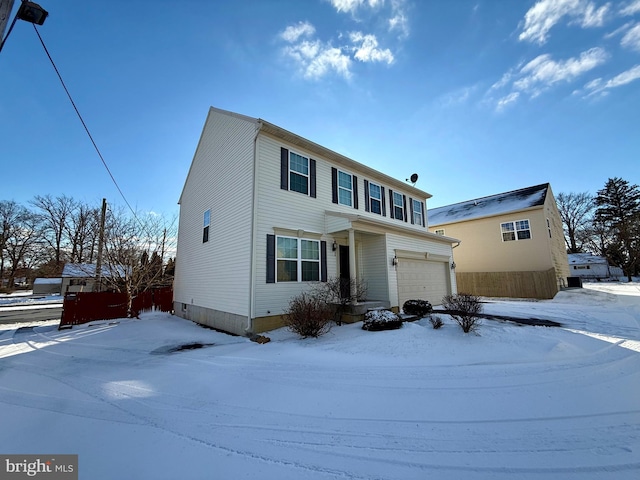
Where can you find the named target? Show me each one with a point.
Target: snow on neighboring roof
(586, 259)
(87, 270)
(489, 206)
(47, 281)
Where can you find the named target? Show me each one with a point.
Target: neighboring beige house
(265, 214)
(512, 243)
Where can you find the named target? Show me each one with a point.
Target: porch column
(352, 261)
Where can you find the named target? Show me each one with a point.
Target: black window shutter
(323, 261)
(366, 195)
(312, 178)
(384, 208)
(355, 192)
(424, 220)
(392, 206)
(271, 258)
(404, 203)
(334, 185)
(284, 168)
(411, 208)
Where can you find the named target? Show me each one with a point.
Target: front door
(345, 274)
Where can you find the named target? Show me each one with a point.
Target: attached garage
(422, 276)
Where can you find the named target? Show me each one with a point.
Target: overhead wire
(85, 126)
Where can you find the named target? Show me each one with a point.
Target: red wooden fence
(83, 307)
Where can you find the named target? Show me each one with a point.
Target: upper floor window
(345, 188)
(297, 259)
(417, 212)
(518, 230)
(375, 198)
(440, 232)
(205, 228)
(298, 173)
(398, 206)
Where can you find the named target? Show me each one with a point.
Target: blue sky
(477, 97)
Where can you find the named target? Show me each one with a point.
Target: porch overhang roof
(367, 224)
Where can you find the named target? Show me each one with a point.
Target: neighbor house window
(549, 227)
(298, 173)
(398, 206)
(375, 198)
(439, 232)
(518, 230)
(205, 229)
(417, 212)
(297, 259)
(345, 188)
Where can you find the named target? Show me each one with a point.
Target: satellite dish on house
(413, 179)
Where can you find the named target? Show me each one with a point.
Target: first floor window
(297, 260)
(205, 229)
(518, 230)
(417, 212)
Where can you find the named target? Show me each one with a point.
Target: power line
(85, 125)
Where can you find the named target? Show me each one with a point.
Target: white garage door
(422, 279)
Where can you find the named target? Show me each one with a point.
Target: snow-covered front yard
(512, 402)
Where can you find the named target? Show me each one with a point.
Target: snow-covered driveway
(513, 402)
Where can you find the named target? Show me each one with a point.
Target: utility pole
(5, 12)
(100, 242)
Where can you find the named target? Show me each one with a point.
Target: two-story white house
(266, 213)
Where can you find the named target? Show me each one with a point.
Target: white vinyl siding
(220, 176)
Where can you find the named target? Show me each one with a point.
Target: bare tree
(576, 211)
(54, 214)
(81, 229)
(23, 242)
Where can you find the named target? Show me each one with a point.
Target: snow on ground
(24, 299)
(511, 402)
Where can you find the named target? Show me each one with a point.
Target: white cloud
(600, 87)
(399, 21)
(542, 72)
(545, 14)
(316, 59)
(507, 100)
(366, 49)
(619, 30)
(350, 6)
(293, 32)
(631, 8)
(631, 38)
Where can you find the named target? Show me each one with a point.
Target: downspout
(254, 214)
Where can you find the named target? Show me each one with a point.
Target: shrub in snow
(341, 292)
(464, 309)
(436, 322)
(308, 315)
(377, 320)
(419, 308)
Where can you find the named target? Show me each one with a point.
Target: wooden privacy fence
(509, 284)
(83, 307)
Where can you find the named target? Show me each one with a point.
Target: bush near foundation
(309, 316)
(378, 320)
(419, 308)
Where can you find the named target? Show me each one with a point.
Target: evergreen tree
(618, 208)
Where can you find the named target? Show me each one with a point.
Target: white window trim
(306, 175)
(371, 198)
(417, 213)
(298, 260)
(515, 230)
(350, 204)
